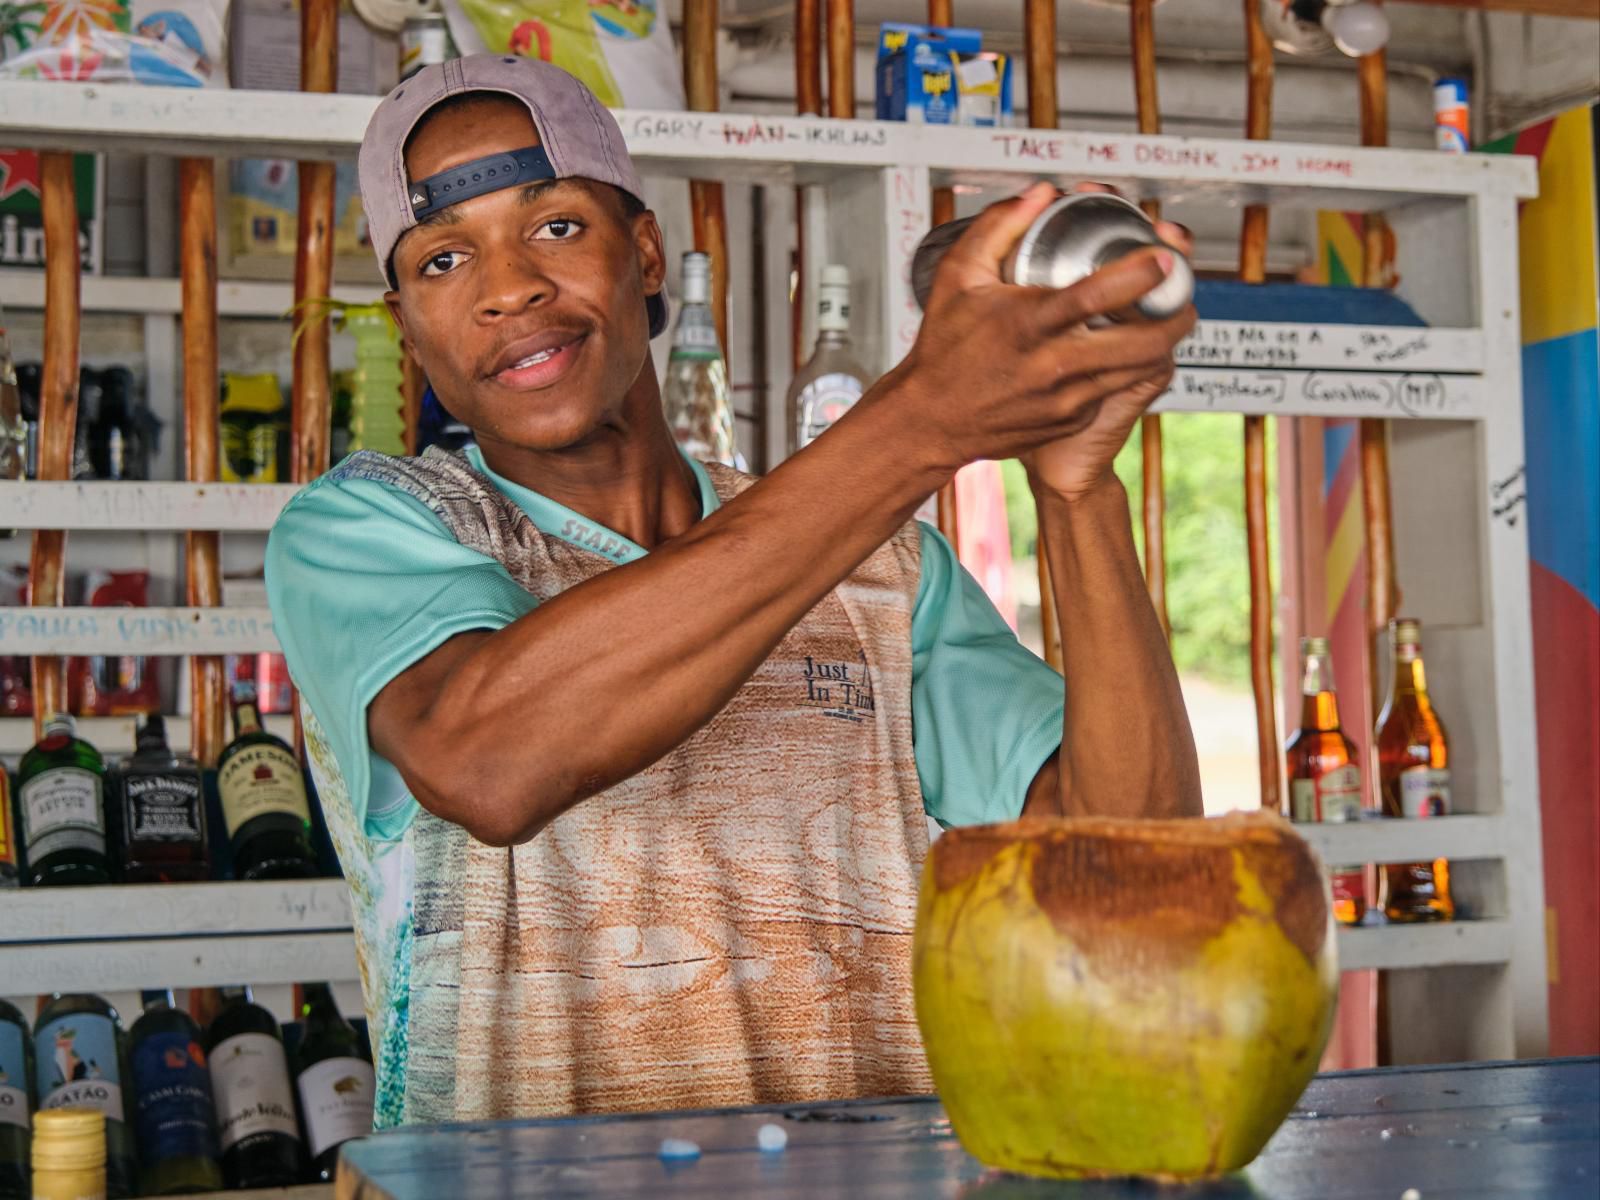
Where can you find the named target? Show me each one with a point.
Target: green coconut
(1123, 997)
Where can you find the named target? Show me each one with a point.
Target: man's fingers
(978, 256)
(1177, 235)
(1109, 290)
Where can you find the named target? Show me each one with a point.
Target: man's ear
(392, 300)
(652, 252)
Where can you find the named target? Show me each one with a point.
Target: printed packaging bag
(622, 49)
(173, 43)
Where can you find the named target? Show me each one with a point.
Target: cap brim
(656, 307)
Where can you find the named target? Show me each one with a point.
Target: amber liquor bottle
(1414, 778)
(163, 812)
(1324, 777)
(263, 799)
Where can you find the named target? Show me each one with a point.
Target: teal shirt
(364, 581)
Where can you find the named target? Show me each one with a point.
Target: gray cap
(578, 138)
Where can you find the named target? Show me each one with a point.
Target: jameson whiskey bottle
(263, 799)
(10, 852)
(163, 812)
(333, 1074)
(16, 1075)
(1324, 779)
(172, 1089)
(78, 1063)
(61, 798)
(698, 409)
(829, 385)
(1414, 778)
(255, 1101)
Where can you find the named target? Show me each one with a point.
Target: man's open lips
(536, 361)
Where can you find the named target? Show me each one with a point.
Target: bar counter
(1527, 1130)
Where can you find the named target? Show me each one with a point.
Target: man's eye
(558, 230)
(439, 264)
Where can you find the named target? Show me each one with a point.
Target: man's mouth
(537, 361)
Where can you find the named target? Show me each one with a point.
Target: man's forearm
(604, 679)
(1127, 749)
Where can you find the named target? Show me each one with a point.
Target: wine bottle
(10, 852)
(260, 1137)
(61, 790)
(334, 1077)
(263, 798)
(15, 1086)
(78, 1063)
(695, 395)
(831, 382)
(163, 813)
(176, 1117)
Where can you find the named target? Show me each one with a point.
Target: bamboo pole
(943, 211)
(705, 195)
(841, 58)
(1153, 509)
(313, 264)
(58, 408)
(807, 102)
(1039, 50)
(1253, 269)
(1383, 593)
(197, 225)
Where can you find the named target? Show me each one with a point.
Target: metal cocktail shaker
(1070, 240)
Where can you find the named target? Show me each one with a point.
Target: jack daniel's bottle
(263, 799)
(163, 812)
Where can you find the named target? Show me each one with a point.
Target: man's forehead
(464, 127)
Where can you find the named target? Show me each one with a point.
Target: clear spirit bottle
(831, 382)
(698, 407)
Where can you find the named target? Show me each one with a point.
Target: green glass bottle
(260, 1137)
(334, 1077)
(263, 799)
(78, 1062)
(16, 1075)
(61, 800)
(176, 1117)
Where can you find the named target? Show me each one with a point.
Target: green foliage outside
(1208, 571)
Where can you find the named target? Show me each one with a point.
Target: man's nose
(511, 283)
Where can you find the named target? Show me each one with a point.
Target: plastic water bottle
(377, 417)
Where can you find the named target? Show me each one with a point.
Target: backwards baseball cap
(578, 139)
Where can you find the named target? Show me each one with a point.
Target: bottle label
(336, 1096)
(173, 1090)
(75, 1063)
(261, 779)
(823, 401)
(162, 808)
(1332, 796)
(62, 809)
(13, 1076)
(250, 1080)
(1425, 792)
(695, 339)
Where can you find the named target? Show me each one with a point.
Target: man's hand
(1003, 371)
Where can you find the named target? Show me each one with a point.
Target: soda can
(1452, 118)
(424, 42)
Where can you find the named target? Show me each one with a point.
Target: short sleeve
(986, 711)
(364, 581)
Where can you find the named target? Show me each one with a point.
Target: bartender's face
(525, 306)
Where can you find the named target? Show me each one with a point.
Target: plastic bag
(621, 49)
(173, 43)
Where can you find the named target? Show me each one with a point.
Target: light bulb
(1357, 29)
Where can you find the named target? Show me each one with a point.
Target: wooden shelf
(143, 507)
(1404, 947)
(144, 296)
(1397, 841)
(41, 630)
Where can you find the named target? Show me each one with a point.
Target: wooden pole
(58, 407)
(841, 58)
(1253, 269)
(942, 212)
(705, 195)
(1039, 50)
(807, 102)
(197, 226)
(313, 264)
(1142, 30)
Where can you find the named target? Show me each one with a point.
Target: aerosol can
(1069, 241)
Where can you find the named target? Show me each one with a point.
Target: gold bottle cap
(1314, 645)
(1405, 629)
(69, 1139)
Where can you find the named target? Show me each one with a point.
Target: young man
(627, 757)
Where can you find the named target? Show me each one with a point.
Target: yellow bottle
(69, 1154)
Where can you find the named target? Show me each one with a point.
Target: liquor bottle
(78, 1063)
(10, 852)
(15, 1086)
(1324, 778)
(263, 799)
(13, 429)
(260, 1137)
(30, 376)
(69, 1155)
(120, 436)
(61, 801)
(333, 1075)
(829, 385)
(163, 812)
(1414, 778)
(176, 1117)
(696, 399)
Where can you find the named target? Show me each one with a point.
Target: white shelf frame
(873, 183)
